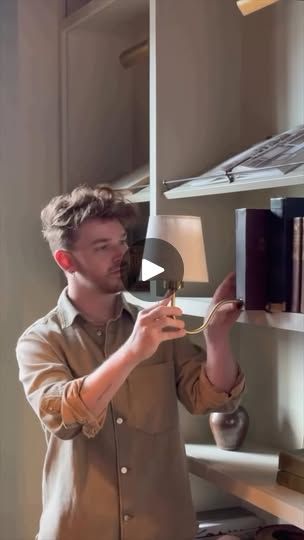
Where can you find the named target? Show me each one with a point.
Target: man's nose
(120, 251)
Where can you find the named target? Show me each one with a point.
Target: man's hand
(151, 329)
(225, 316)
(221, 367)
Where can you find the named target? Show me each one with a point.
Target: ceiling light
(250, 6)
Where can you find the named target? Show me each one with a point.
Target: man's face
(98, 253)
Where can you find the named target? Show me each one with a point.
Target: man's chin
(112, 287)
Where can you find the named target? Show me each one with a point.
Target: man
(104, 379)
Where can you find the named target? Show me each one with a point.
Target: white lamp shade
(185, 234)
(250, 6)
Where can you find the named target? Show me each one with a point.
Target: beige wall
(272, 71)
(73, 5)
(29, 176)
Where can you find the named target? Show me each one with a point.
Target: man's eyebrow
(105, 240)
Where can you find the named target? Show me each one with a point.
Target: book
(283, 210)
(296, 264)
(223, 173)
(292, 461)
(251, 239)
(277, 156)
(302, 272)
(291, 481)
(273, 157)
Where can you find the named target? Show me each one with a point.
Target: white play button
(138, 272)
(150, 270)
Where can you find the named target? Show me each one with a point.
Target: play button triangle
(143, 278)
(150, 270)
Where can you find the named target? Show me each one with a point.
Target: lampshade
(185, 234)
(249, 6)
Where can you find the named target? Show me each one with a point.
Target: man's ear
(64, 259)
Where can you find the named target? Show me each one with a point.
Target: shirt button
(99, 332)
(126, 517)
(123, 470)
(119, 420)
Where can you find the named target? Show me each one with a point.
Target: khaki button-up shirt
(122, 475)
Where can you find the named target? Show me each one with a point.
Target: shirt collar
(68, 311)
(130, 308)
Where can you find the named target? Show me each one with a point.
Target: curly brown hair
(64, 214)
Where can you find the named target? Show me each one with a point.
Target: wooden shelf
(250, 475)
(190, 306)
(198, 307)
(283, 321)
(105, 14)
(185, 191)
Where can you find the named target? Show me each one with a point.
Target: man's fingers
(166, 322)
(168, 295)
(163, 302)
(226, 289)
(162, 311)
(166, 336)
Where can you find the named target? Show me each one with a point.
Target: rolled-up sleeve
(194, 389)
(51, 389)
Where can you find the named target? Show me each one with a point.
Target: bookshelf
(198, 307)
(142, 195)
(215, 83)
(105, 106)
(186, 191)
(249, 474)
(100, 15)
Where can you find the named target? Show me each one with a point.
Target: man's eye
(125, 241)
(101, 248)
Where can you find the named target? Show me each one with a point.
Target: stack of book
(291, 469)
(270, 255)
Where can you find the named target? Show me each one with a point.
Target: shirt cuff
(74, 411)
(220, 400)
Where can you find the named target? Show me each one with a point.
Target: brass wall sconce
(185, 234)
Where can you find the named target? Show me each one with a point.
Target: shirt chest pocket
(153, 398)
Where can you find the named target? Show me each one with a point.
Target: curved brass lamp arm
(210, 315)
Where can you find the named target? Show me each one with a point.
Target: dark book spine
(251, 256)
(302, 270)
(277, 284)
(283, 210)
(296, 265)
